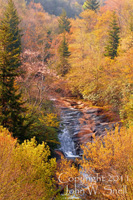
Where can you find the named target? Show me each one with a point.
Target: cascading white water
(67, 144)
(69, 136)
(70, 127)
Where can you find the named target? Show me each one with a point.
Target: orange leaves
(126, 64)
(65, 172)
(103, 79)
(37, 23)
(102, 25)
(7, 144)
(36, 6)
(98, 154)
(106, 162)
(5, 138)
(89, 19)
(111, 157)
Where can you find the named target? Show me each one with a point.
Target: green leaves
(113, 38)
(64, 54)
(10, 49)
(91, 5)
(64, 23)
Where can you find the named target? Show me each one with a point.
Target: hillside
(66, 79)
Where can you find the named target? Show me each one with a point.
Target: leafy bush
(26, 172)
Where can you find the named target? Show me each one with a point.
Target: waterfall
(69, 127)
(78, 125)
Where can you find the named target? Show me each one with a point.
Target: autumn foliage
(105, 170)
(111, 157)
(25, 170)
(88, 56)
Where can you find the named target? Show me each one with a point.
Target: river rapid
(78, 125)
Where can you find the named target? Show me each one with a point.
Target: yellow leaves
(101, 29)
(66, 171)
(25, 169)
(50, 120)
(7, 144)
(109, 151)
(34, 152)
(104, 79)
(89, 19)
(111, 156)
(98, 154)
(88, 14)
(6, 141)
(106, 161)
(103, 20)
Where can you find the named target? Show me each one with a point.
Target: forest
(73, 56)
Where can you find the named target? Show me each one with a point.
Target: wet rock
(87, 138)
(73, 103)
(93, 110)
(58, 154)
(80, 123)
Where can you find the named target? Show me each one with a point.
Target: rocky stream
(79, 124)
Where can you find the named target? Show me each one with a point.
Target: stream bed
(78, 125)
